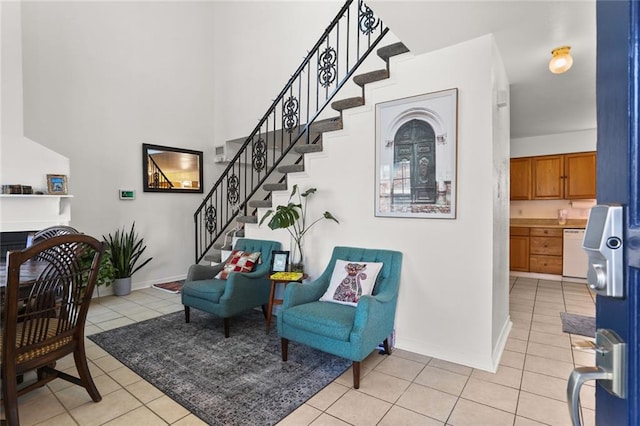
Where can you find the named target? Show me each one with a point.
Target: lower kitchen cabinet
(536, 250)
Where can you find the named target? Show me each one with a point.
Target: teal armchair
(343, 330)
(239, 292)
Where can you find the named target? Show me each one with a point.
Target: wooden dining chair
(44, 309)
(53, 231)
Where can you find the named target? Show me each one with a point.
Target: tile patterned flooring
(402, 389)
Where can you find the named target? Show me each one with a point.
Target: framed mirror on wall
(168, 169)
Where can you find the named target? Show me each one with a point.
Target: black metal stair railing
(157, 178)
(345, 44)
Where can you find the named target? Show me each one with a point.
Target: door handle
(610, 370)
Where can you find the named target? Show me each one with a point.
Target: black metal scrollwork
(233, 189)
(210, 219)
(259, 155)
(327, 66)
(290, 114)
(367, 21)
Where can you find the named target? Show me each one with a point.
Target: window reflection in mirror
(167, 169)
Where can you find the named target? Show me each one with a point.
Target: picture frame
(57, 184)
(279, 261)
(416, 156)
(171, 169)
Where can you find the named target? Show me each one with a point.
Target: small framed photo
(279, 261)
(57, 184)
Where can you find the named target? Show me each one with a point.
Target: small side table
(273, 301)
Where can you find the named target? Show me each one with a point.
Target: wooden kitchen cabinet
(554, 177)
(580, 172)
(520, 174)
(519, 249)
(548, 177)
(545, 249)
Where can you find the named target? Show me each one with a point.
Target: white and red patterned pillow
(239, 261)
(350, 281)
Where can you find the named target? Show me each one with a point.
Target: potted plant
(293, 218)
(106, 273)
(124, 250)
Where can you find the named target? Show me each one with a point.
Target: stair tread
(274, 187)
(348, 103)
(327, 125)
(260, 203)
(291, 168)
(370, 77)
(392, 50)
(308, 148)
(213, 257)
(247, 219)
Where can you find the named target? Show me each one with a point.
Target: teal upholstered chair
(346, 331)
(239, 292)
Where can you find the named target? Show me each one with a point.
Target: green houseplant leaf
(124, 250)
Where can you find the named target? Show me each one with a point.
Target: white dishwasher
(574, 259)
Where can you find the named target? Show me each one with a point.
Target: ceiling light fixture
(561, 60)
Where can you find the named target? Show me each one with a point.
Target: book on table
(286, 276)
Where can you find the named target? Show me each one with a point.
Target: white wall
(558, 143)
(447, 291)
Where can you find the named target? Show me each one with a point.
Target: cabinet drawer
(545, 264)
(523, 232)
(546, 232)
(546, 245)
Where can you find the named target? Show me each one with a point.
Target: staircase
(277, 145)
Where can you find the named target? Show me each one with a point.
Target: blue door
(618, 177)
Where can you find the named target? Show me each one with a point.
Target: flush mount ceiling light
(561, 60)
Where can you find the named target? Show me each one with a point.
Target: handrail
(350, 37)
(155, 182)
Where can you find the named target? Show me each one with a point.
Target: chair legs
(356, 374)
(80, 358)
(387, 349)
(225, 324)
(284, 343)
(187, 313)
(10, 397)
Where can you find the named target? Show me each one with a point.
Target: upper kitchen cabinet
(520, 178)
(548, 177)
(554, 177)
(580, 171)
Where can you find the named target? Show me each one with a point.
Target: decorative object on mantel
(57, 184)
(416, 143)
(125, 249)
(293, 218)
(17, 189)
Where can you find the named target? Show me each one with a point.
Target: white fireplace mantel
(27, 212)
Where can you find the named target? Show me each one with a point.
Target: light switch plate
(127, 194)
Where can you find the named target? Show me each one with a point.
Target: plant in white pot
(124, 249)
(293, 218)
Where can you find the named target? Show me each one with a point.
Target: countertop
(548, 223)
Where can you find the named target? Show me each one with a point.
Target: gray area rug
(578, 324)
(236, 381)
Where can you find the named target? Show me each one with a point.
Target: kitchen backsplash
(548, 209)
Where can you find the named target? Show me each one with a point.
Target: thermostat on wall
(127, 194)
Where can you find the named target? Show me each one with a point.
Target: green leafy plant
(106, 273)
(124, 250)
(293, 217)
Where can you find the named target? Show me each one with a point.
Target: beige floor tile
(521, 307)
(358, 409)
(303, 415)
(469, 413)
(144, 391)
(450, 366)
(506, 376)
(170, 308)
(516, 345)
(547, 327)
(512, 359)
(548, 366)
(383, 386)
(144, 315)
(522, 421)
(190, 420)
(139, 416)
(540, 384)
(398, 416)
(92, 329)
(588, 397)
(63, 419)
(584, 357)
(492, 394)
(113, 405)
(442, 380)
(551, 352)
(74, 396)
(124, 376)
(400, 367)
(115, 323)
(519, 333)
(93, 352)
(562, 341)
(525, 316)
(37, 406)
(327, 396)
(542, 409)
(588, 417)
(427, 401)
(326, 420)
(108, 363)
(168, 409)
(107, 315)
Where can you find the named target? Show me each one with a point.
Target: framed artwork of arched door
(416, 156)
